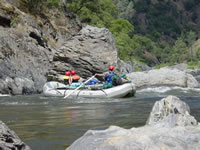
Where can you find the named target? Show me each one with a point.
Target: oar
(79, 86)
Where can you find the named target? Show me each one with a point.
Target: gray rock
(163, 77)
(181, 67)
(9, 140)
(4, 87)
(91, 50)
(170, 127)
(171, 111)
(27, 46)
(17, 86)
(195, 73)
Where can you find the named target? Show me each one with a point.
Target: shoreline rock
(163, 77)
(9, 140)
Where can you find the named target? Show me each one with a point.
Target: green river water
(52, 123)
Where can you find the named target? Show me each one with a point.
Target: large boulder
(184, 67)
(169, 127)
(171, 111)
(17, 86)
(9, 140)
(22, 58)
(91, 50)
(163, 77)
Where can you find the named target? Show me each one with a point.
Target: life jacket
(66, 77)
(109, 78)
(92, 82)
(66, 80)
(75, 77)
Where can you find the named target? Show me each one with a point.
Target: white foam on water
(155, 89)
(22, 103)
(164, 89)
(3, 95)
(14, 103)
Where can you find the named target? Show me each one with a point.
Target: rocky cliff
(37, 48)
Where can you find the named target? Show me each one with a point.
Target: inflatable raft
(58, 89)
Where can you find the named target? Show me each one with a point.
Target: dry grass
(53, 43)
(196, 46)
(19, 31)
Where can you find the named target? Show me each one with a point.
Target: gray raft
(54, 88)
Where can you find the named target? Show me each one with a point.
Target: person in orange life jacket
(107, 76)
(74, 77)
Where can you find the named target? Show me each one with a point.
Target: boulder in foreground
(169, 127)
(9, 140)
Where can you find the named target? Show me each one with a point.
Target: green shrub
(14, 21)
(198, 54)
(36, 6)
(163, 65)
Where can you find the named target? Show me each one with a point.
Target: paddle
(79, 86)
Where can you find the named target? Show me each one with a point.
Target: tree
(122, 25)
(94, 12)
(190, 39)
(36, 6)
(179, 51)
(123, 31)
(143, 46)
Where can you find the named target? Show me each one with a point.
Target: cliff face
(31, 48)
(90, 51)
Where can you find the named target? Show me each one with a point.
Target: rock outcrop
(169, 127)
(163, 77)
(27, 47)
(90, 51)
(9, 140)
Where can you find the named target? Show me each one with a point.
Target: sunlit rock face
(171, 112)
(169, 127)
(163, 77)
(91, 50)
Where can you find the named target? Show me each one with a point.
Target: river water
(51, 123)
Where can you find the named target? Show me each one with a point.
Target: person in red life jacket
(67, 78)
(75, 78)
(107, 75)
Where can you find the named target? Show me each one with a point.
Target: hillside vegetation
(149, 31)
